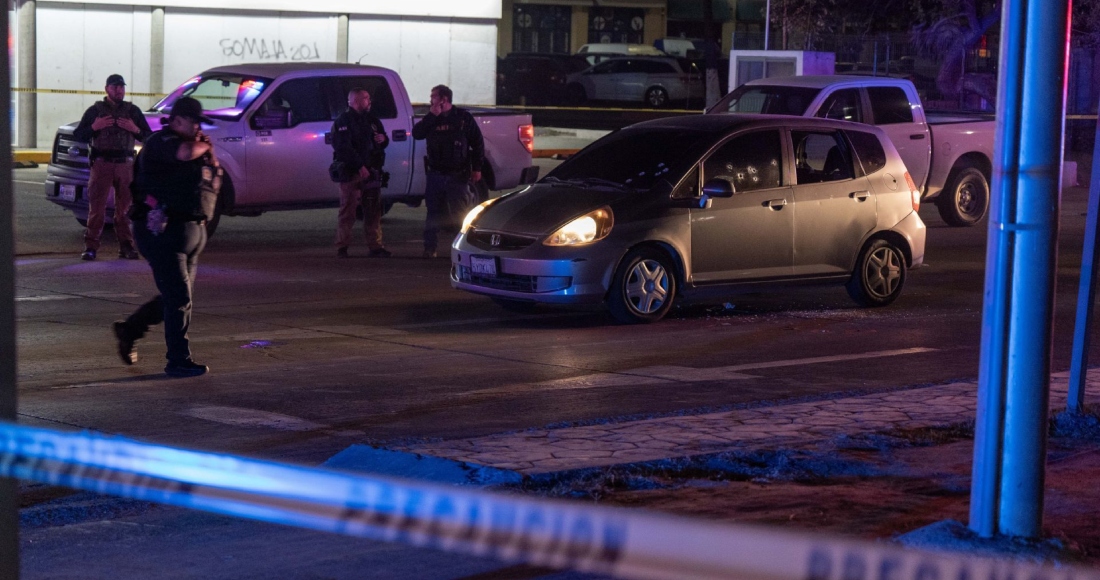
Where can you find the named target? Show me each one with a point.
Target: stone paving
(788, 426)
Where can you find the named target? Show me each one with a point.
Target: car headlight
(473, 213)
(588, 228)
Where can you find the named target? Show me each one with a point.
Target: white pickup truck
(271, 133)
(948, 157)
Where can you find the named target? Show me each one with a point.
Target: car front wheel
(879, 274)
(656, 97)
(643, 288)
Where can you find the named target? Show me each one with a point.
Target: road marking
(656, 375)
(825, 359)
(50, 297)
(28, 182)
(241, 417)
(44, 298)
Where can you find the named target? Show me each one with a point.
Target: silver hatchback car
(700, 204)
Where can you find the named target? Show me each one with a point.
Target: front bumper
(535, 274)
(68, 188)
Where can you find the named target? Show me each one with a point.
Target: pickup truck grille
(69, 152)
(483, 240)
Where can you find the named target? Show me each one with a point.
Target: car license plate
(483, 266)
(67, 192)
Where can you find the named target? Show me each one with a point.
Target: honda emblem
(494, 240)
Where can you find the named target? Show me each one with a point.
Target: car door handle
(328, 138)
(917, 136)
(775, 204)
(400, 135)
(860, 195)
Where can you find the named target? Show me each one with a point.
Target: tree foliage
(1085, 30)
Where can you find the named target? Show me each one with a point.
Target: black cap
(190, 108)
(116, 80)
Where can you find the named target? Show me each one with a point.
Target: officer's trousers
(448, 198)
(173, 256)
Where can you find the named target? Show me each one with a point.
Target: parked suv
(656, 81)
(533, 78)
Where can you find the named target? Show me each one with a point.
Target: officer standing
(455, 153)
(169, 226)
(359, 141)
(111, 126)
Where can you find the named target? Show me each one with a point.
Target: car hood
(543, 208)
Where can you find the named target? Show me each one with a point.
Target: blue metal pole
(1017, 319)
(1086, 293)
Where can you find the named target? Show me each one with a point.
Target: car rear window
(869, 151)
(890, 105)
(774, 100)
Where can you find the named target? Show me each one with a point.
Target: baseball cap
(190, 108)
(116, 80)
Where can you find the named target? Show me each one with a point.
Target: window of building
(541, 28)
(616, 25)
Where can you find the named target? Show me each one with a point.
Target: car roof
(277, 69)
(822, 81)
(729, 121)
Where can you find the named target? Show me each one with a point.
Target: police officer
(169, 226)
(455, 153)
(359, 141)
(111, 126)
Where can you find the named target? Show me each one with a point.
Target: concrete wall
(459, 54)
(79, 45)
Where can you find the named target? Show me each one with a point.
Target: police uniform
(171, 236)
(111, 158)
(353, 144)
(455, 148)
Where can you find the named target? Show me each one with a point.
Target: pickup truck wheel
(83, 222)
(879, 274)
(965, 199)
(386, 207)
(656, 97)
(643, 288)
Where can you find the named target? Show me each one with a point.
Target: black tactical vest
(113, 140)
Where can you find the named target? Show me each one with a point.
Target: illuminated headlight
(473, 213)
(588, 228)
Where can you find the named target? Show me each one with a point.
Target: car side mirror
(718, 188)
(275, 118)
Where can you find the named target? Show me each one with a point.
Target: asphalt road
(310, 354)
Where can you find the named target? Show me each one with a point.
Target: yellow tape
(77, 92)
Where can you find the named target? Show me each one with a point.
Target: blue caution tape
(560, 534)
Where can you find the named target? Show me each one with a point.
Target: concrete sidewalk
(804, 425)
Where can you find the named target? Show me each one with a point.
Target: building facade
(157, 45)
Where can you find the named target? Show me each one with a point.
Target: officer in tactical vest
(111, 126)
(455, 153)
(359, 141)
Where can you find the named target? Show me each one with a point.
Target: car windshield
(634, 159)
(223, 96)
(774, 100)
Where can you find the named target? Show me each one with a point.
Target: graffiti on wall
(264, 49)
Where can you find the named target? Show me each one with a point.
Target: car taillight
(527, 137)
(913, 191)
